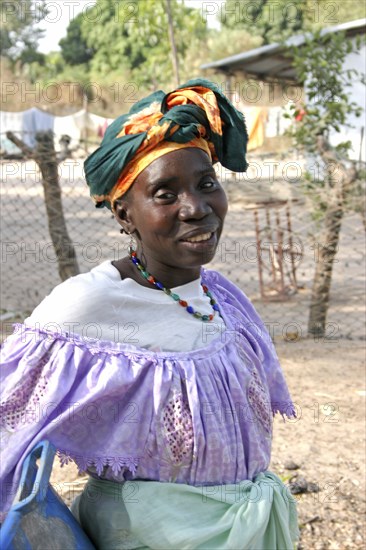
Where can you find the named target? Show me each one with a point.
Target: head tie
(195, 115)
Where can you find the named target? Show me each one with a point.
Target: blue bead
(215, 307)
(135, 260)
(159, 285)
(190, 309)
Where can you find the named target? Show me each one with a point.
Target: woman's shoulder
(79, 297)
(238, 303)
(223, 285)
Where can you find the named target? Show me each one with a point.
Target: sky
(62, 11)
(57, 20)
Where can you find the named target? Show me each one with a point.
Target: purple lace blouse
(120, 412)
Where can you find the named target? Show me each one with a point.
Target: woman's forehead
(177, 164)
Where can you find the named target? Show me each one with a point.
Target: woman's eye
(167, 195)
(209, 184)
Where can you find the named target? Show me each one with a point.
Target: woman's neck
(170, 277)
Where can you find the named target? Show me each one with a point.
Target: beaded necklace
(146, 275)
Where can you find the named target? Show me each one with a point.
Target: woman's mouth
(199, 238)
(199, 243)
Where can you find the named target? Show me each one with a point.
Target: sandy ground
(326, 441)
(327, 382)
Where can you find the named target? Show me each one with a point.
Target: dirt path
(327, 382)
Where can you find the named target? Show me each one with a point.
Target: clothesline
(25, 124)
(88, 127)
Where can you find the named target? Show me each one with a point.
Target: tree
(276, 21)
(173, 45)
(320, 65)
(74, 48)
(45, 156)
(133, 36)
(272, 21)
(19, 33)
(229, 42)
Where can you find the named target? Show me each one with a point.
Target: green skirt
(258, 515)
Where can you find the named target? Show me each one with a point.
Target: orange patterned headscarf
(195, 115)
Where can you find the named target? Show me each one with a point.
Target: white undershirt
(100, 305)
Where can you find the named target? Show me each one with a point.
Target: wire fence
(267, 209)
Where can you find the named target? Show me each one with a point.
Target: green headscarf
(196, 114)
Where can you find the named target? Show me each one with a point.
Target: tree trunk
(172, 43)
(45, 157)
(325, 251)
(47, 162)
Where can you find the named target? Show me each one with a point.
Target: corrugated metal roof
(273, 60)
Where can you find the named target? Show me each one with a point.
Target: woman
(169, 407)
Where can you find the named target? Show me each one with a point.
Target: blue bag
(38, 518)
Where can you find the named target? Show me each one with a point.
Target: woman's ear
(122, 213)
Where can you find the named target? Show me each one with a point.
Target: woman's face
(176, 208)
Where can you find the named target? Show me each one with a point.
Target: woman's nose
(194, 206)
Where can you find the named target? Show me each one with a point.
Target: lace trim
(22, 405)
(285, 408)
(116, 463)
(259, 401)
(141, 356)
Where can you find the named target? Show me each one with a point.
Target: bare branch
(27, 151)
